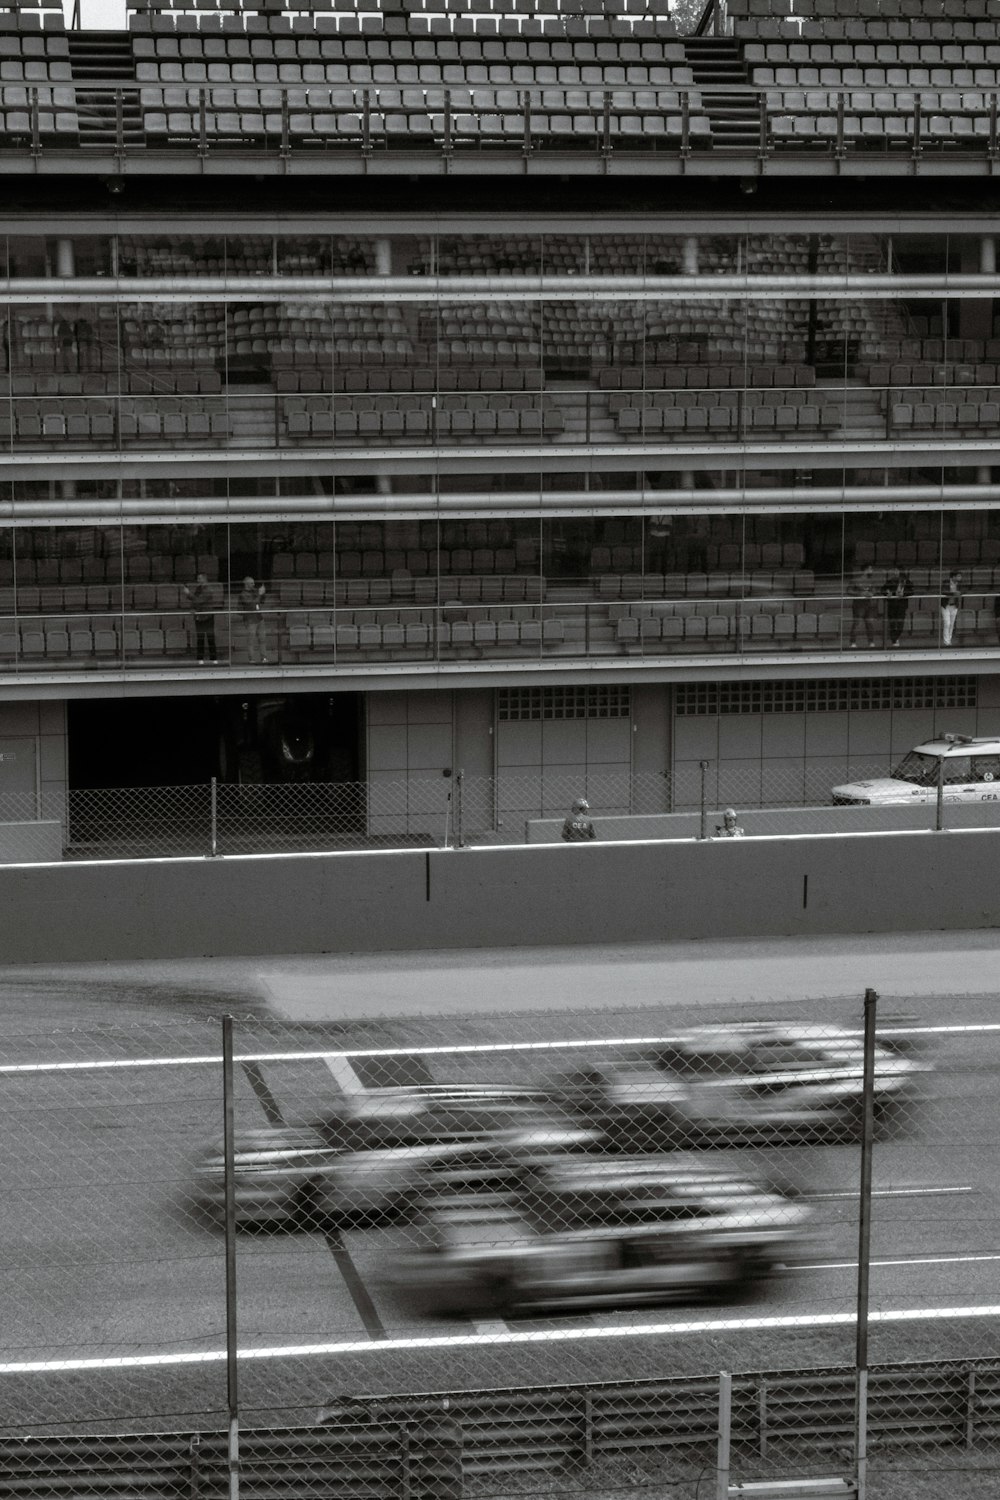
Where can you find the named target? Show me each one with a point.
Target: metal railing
(132, 122)
(450, 809)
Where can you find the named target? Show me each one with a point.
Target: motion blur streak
(476, 1340)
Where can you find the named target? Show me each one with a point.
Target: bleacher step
(105, 58)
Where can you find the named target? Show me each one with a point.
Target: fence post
(459, 810)
(703, 768)
(939, 815)
(725, 1435)
(229, 1147)
(215, 817)
(864, 1248)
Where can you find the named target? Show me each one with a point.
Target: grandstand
(553, 367)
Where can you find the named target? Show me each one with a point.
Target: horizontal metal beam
(738, 218)
(741, 500)
(499, 161)
(488, 458)
(883, 286)
(409, 677)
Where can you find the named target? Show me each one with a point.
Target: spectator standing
(729, 828)
(898, 589)
(66, 339)
(951, 603)
(83, 331)
(864, 606)
(249, 604)
(199, 597)
(577, 826)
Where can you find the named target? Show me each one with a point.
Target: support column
(65, 258)
(383, 256)
(689, 255)
(975, 315)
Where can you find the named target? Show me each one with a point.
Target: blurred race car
(737, 1084)
(381, 1154)
(603, 1233)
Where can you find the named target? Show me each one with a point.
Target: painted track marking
(478, 1340)
(471, 1048)
(911, 1260)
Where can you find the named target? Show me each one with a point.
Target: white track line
(912, 1260)
(467, 1048)
(897, 1192)
(481, 1340)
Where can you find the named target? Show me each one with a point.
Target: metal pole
(725, 1435)
(228, 1150)
(703, 767)
(215, 817)
(939, 816)
(864, 1247)
(459, 810)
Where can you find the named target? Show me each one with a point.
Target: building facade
(545, 396)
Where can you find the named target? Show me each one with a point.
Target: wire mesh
(825, 795)
(488, 1267)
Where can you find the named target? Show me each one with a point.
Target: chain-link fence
(452, 809)
(491, 1267)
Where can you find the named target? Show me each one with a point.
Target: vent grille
(826, 695)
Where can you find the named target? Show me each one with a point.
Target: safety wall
(530, 895)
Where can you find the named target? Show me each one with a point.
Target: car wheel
(734, 1274)
(497, 1294)
(308, 1213)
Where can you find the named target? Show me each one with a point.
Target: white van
(971, 774)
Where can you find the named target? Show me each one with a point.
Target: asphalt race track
(113, 1293)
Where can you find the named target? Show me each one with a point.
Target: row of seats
(283, 593)
(416, 417)
(923, 627)
(749, 609)
(128, 420)
(945, 410)
(312, 379)
(635, 118)
(784, 583)
(901, 375)
(315, 593)
(308, 634)
(742, 558)
(544, 20)
(795, 413)
(979, 555)
(74, 585)
(94, 569)
(172, 381)
(867, 31)
(870, 122)
(861, 54)
(291, 49)
(781, 582)
(700, 377)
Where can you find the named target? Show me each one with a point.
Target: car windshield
(919, 768)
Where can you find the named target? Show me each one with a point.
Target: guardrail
(127, 121)
(440, 1445)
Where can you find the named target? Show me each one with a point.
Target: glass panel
(326, 255)
(490, 255)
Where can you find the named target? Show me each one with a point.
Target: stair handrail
(714, 11)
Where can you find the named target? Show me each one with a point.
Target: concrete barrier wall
(520, 896)
(36, 842)
(769, 820)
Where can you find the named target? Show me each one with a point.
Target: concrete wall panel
(544, 894)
